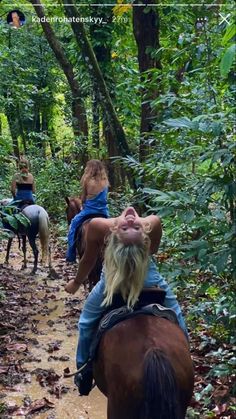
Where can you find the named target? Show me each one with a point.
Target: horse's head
(74, 206)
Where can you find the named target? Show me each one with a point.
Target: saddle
(149, 303)
(25, 203)
(19, 205)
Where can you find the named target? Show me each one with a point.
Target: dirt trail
(38, 337)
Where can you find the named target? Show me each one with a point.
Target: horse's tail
(160, 389)
(44, 235)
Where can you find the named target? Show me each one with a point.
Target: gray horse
(38, 225)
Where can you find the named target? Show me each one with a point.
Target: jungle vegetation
(151, 91)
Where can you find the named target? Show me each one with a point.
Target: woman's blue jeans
(92, 311)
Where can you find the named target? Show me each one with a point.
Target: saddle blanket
(123, 313)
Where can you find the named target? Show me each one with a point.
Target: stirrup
(84, 378)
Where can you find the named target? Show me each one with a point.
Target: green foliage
(117, 201)
(229, 54)
(11, 219)
(2, 407)
(217, 310)
(55, 180)
(227, 60)
(33, 92)
(188, 179)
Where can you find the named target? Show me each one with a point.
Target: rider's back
(94, 186)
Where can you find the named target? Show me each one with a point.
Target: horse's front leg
(9, 243)
(35, 252)
(24, 265)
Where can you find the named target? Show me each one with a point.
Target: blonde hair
(125, 269)
(94, 169)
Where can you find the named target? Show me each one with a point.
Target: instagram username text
(64, 19)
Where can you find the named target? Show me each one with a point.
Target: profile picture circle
(16, 18)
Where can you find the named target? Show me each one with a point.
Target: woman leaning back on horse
(23, 185)
(94, 184)
(128, 268)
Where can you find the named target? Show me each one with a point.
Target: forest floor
(38, 337)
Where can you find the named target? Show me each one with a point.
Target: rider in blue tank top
(94, 184)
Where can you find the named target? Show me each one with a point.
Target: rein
(67, 375)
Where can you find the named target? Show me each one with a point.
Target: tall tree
(146, 32)
(13, 123)
(79, 118)
(96, 74)
(101, 39)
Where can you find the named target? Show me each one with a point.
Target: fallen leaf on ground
(34, 406)
(54, 346)
(46, 377)
(18, 347)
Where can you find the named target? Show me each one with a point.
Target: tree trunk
(146, 32)
(96, 120)
(14, 129)
(21, 128)
(98, 79)
(79, 118)
(102, 40)
(37, 125)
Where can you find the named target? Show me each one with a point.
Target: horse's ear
(67, 199)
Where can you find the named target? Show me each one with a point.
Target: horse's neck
(73, 209)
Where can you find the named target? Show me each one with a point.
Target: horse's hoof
(23, 267)
(33, 272)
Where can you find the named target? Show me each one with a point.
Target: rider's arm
(154, 222)
(88, 259)
(94, 243)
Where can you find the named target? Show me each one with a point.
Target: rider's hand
(72, 286)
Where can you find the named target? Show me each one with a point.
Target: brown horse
(74, 206)
(144, 368)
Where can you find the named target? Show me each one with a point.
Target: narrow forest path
(38, 337)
